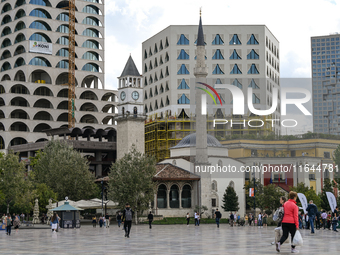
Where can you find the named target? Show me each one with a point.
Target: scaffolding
(163, 133)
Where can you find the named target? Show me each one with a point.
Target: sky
(129, 23)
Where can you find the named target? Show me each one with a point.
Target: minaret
(201, 73)
(201, 157)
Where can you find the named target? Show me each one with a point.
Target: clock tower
(130, 118)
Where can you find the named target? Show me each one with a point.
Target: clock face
(122, 95)
(135, 95)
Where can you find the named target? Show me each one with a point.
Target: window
(20, 14)
(88, 44)
(40, 25)
(156, 105)
(19, 26)
(183, 85)
(161, 90)
(62, 52)
(237, 83)
(213, 202)
(40, 37)
(327, 154)
(235, 70)
(39, 61)
(90, 67)
(6, 43)
(160, 45)
(218, 40)
(166, 42)
(218, 81)
(91, 21)
(217, 70)
(19, 38)
(150, 94)
(62, 17)
(183, 55)
(91, 32)
(90, 55)
(162, 105)
(63, 29)
(19, 3)
(41, 2)
(155, 50)
(234, 55)
(254, 153)
(174, 196)
(40, 13)
(252, 40)
(156, 91)
(253, 69)
(183, 100)
(161, 195)
(235, 40)
(256, 100)
(161, 75)
(311, 176)
(62, 64)
(218, 55)
(253, 85)
(6, 20)
(293, 153)
(6, 31)
(6, 66)
(183, 70)
(182, 40)
(186, 196)
(91, 9)
(253, 55)
(167, 102)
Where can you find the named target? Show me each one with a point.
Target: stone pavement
(162, 239)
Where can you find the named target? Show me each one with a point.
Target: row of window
(272, 47)
(218, 54)
(41, 61)
(161, 105)
(155, 79)
(41, 37)
(156, 49)
(40, 13)
(62, 5)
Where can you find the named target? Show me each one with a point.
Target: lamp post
(102, 197)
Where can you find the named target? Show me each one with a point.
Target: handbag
(297, 240)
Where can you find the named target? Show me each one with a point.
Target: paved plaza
(168, 239)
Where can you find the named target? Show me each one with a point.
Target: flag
(271, 180)
(303, 201)
(251, 192)
(331, 200)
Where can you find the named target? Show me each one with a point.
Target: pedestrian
(127, 219)
(119, 219)
(265, 216)
(150, 218)
(107, 219)
(218, 216)
(246, 219)
(54, 222)
(9, 224)
(250, 219)
(312, 210)
(335, 213)
(290, 221)
(16, 223)
(238, 219)
(279, 213)
(307, 221)
(94, 221)
(317, 222)
(198, 219)
(335, 223)
(22, 217)
(300, 220)
(231, 218)
(235, 218)
(329, 220)
(260, 220)
(324, 218)
(101, 221)
(195, 215)
(188, 219)
(104, 221)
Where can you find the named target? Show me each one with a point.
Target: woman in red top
(290, 221)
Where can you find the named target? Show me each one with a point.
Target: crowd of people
(11, 221)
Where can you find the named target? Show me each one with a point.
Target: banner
(251, 192)
(41, 47)
(303, 201)
(331, 200)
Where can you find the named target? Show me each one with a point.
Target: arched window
(91, 55)
(40, 37)
(6, 31)
(40, 25)
(186, 196)
(91, 44)
(6, 20)
(91, 9)
(183, 40)
(21, 13)
(5, 54)
(91, 32)
(40, 61)
(6, 8)
(90, 67)
(19, 50)
(19, 26)
(89, 95)
(40, 13)
(19, 38)
(62, 52)
(19, 62)
(174, 196)
(92, 21)
(217, 40)
(41, 2)
(161, 196)
(63, 29)
(43, 91)
(183, 55)
(6, 66)
(18, 141)
(64, 64)
(62, 17)
(19, 3)
(6, 43)
(62, 40)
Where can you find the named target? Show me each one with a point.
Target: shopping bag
(297, 240)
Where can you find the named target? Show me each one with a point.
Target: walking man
(150, 218)
(127, 219)
(231, 219)
(311, 209)
(218, 216)
(196, 219)
(107, 217)
(119, 219)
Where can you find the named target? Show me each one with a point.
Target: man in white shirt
(324, 219)
(196, 219)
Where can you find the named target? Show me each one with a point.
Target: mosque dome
(190, 141)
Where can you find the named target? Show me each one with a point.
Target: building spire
(200, 37)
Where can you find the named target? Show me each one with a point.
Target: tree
(65, 171)
(269, 200)
(130, 181)
(327, 187)
(13, 185)
(309, 192)
(43, 193)
(230, 200)
(258, 190)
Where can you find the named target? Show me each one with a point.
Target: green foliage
(327, 186)
(309, 192)
(230, 200)
(269, 200)
(15, 189)
(43, 193)
(201, 209)
(65, 171)
(258, 189)
(130, 180)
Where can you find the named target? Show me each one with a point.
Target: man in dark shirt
(231, 219)
(119, 219)
(218, 216)
(150, 218)
(127, 219)
(312, 210)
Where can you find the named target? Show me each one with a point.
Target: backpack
(128, 215)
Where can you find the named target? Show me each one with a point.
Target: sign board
(303, 201)
(251, 192)
(41, 47)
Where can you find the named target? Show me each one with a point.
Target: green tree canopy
(309, 192)
(130, 180)
(230, 200)
(269, 200)
(327, 187)
(65, 171)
